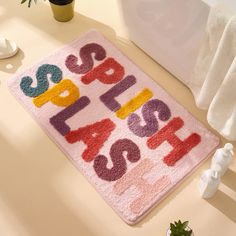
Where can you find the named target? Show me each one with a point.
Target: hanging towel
(214, 78)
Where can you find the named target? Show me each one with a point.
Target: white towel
(214, 78)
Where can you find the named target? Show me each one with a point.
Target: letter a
(94, 136)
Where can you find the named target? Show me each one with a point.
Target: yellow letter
(134, 104)
(53, 94)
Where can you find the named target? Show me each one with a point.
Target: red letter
(180, 148)
(94, 136)
(101, 73)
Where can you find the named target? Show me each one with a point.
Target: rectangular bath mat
(129, 138)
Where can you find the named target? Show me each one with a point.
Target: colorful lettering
(118, 160)
(108, 98)
(180, 148)
(134, 103)
(148, 112)
(86, 53)
(94, 136)
(147, 191)
(108, 72)
(58, 121)
(43, 72)
(54, 94)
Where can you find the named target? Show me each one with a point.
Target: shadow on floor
(10, 65)
(222, 201)
(40, 17)
(26, 189)
(229, 179)
(31, 192)
(225, 204)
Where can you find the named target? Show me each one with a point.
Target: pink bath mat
(129, 138)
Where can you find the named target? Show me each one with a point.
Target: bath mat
(128, 137)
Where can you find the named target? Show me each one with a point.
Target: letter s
(86, 58)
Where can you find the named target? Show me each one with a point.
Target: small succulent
(180, 229)
(57, 2)
(29, 2)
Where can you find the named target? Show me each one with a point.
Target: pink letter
(147, 191)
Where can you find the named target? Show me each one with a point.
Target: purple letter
(108, 98)
(148, 112)
(86, 58)
(58, 121)
(118, 160)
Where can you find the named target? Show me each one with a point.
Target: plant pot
(62, 10)
(168, 232)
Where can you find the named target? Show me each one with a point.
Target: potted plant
(179, 229)
(63, 10)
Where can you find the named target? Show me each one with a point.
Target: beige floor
(41, 193)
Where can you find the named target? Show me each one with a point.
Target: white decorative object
(223, 157)
(170, 31)
(7, 48)
(209, 181)
(213, 81)
(195, 41)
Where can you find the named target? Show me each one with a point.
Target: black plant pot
(63, 10)
(61, 2)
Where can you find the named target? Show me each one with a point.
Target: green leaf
(189, 233)
(23, 1)
(180, 229)
(185, 224)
